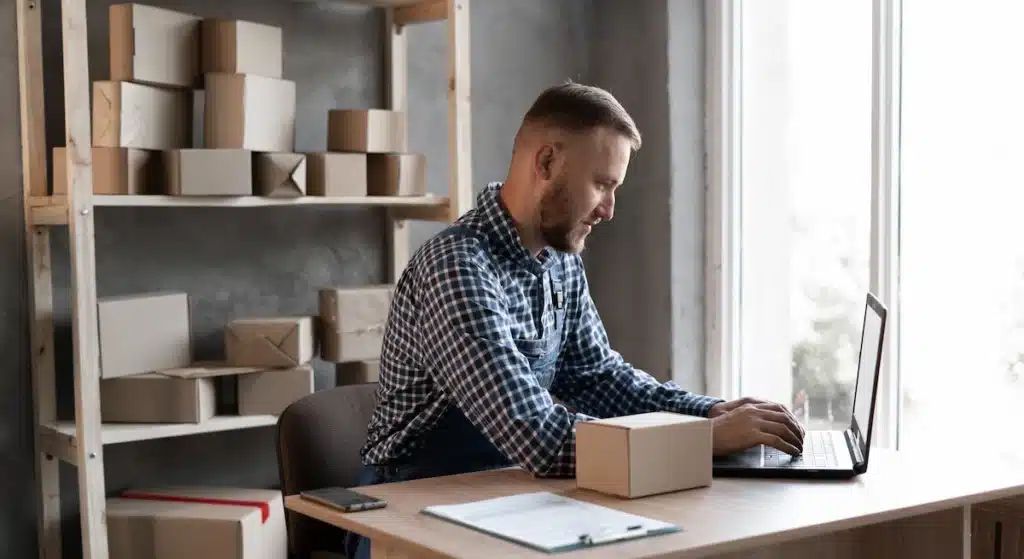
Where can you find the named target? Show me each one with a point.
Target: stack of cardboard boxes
(148, 374)
(352, 323)
(199, 106)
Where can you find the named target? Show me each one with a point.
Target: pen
(635, 531)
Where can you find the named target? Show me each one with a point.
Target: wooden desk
(905, 506)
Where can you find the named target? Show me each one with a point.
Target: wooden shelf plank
(114, 433)
(251, 201)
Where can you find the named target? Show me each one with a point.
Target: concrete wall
(648, 283)
(334, 53)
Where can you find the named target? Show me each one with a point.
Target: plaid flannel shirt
(451, 339)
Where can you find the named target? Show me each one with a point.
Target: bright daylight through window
(805, 189)
(962, 222)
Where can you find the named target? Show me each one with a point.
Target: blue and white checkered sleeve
(477, 364)
(597, 381)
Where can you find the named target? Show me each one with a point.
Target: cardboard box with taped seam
(352, 322)
(271, 342)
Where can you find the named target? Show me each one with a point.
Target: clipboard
(550, 523)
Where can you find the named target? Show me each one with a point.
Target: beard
(560, 224)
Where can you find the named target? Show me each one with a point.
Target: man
(492, 320)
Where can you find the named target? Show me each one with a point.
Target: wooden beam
(40, 296)
(397, 64)
(460, 130)
(78, 140)
(430, 10)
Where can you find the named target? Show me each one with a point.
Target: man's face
(582, 191)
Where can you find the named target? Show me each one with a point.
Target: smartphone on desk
(344, 500)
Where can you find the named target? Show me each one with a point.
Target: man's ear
(545, 161)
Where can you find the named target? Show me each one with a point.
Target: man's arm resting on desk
(599, 382)
(478, 366)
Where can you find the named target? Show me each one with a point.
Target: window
(962, 223)
(805, 201)
(856, 146)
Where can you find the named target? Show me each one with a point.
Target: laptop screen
(867, 377)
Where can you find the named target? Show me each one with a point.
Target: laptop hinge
(854, 447)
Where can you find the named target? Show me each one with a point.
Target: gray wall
(333, 52)
(647, 283)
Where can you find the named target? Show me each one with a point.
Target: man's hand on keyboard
(747, 422)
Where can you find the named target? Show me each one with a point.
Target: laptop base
(826, 456)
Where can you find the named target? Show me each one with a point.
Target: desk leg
(966, 536)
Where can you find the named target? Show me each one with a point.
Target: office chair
(318, 442)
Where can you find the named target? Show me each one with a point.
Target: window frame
(724, 117)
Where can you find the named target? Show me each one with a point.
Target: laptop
(827, 454)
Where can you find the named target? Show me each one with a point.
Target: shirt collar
(501, 231)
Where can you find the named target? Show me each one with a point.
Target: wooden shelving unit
(81, 442)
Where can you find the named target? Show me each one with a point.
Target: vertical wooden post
(397, 72)
(460, 130)
(78, 140)
(40, 296)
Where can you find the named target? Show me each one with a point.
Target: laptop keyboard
(818, 453)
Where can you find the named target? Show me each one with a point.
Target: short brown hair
(578, 108)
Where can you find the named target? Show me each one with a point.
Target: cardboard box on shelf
(242, 47)
(208, 172)
(367, 131)
(132, 115)
(336, 174)
(399, 174)
(644, 454)
(157, 398)
(250, 112)
(280, 175)
(357, 372)
(143, 333)
(153, 45)
(270, 392)
(270, 342)
(197, 522)
(353, 321)
(115, 171)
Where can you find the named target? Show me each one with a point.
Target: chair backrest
(318, 442)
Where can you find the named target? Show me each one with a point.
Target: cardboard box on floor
(367, 131)
(153, 45)
(132, 115)
(280, 175)
(336, 174)
(357, 372)
(352, 320)
(242, 47)
(270, 342)
(142, 333)
(115, 171)
(397, 174)
(644, 454)
(186, 522)
(269, 392)
(208, 172)
(250, 112)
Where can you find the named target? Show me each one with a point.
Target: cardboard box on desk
(367, 131)
(270, 392)
(336, 174)
(208, 172)
(270, 342)
(645, 454)
(115, 171)
(353, 321)
(132, 115)
(397, 174)
(153, 45)
(143, 333)
(280, 175)
(197, 522)
(242, 47)
(250, 112)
